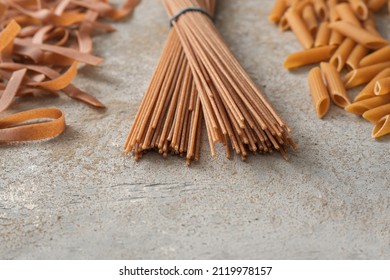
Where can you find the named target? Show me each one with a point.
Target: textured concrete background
(78, 196)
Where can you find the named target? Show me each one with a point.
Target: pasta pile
(198, 80)
(341, 35)
(42, 44)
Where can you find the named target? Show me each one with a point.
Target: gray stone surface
(78, 196)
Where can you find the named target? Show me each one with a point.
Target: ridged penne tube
(357, 54)
(368, 90)
(347, 14)
(360, 107)
(321, 9)
(382, 128)
(319, 92)
(374, 115)
(333, 14)
(307, 57)
(381, 55)
(376, 5)
(323, 35)
(310, 19)
(364, 75)
(336, 38)
(359, 35)
(382, 86)
(278, 10)
(299, 28)
(360, 8)
(342, 53)
(335, 86)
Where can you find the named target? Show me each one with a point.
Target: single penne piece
(321, 9)
(368, 90)
(333, 14)
(374, 115)
(382, 127)
(357, 54)
(310, 19)
(360, 8)
(376, 5)
(364, 75)
(318, 92)
(283, 23)
(359, 35)
(307, 57)
(382, 86)
(347, 14)
(336, 38)
(323, 35)
(342, 53)
(278, 10)
(335, 86)
(299, 28)
(360, 107)
(381, 55)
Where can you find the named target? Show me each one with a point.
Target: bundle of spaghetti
(234, 111)
(342, 33)
(42, 45)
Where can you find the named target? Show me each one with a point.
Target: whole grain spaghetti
(198, 78)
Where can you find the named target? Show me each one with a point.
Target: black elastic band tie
(189, 9)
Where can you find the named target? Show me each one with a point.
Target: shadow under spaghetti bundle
(199, 81)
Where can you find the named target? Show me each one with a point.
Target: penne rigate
(382, 86)
(356, 56)
(347, 14)
(307, 57)
(310, 19)
(382, 127)
(360, 107)
(321, 9)
(381, 55)
(342, 53)
(374, 115)
(277, 11)
(368, 90)
(319, 92)
(299, 28)
(335, 86)
(364, 75)
(360, 8)
(359, 35)
(323, 35)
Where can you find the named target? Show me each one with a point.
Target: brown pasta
(376, 5)
(379, 56)
(347, 14)
(341, 55)
(321, 9)
(357, 54)
(323, 35)
(299, 28)
(310, 19)
(368, 90)
(319, 92)
(309, 56)
(278, 10)
(382, 86)
(374, 115)
(382, 127)
(335, 85)
(360, 107)
(364, 75)
(360, 8)
(359, 35)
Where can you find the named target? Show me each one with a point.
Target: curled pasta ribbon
(13, 129)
